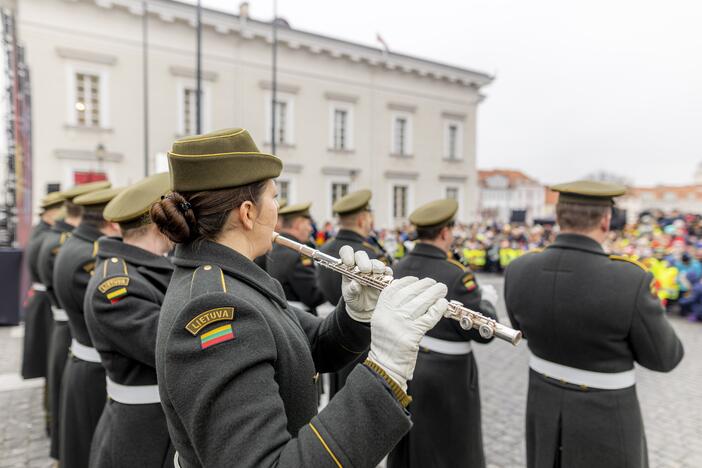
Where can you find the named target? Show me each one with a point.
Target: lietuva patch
(209, 316)
(113, 282)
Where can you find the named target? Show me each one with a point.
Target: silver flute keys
(467, 318)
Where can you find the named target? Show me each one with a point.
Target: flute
(467, 318)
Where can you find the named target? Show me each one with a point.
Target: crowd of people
(667, 244)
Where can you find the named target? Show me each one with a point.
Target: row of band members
(212, 356)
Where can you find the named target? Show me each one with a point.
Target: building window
(53, 187)
(284, 110)
(187, 108)
(452, 193)
(402, 135)
(399, 201)
(338, 190)
(341, 120)
(453, 140)
(87, 101)
(189, 111)
(283, 191)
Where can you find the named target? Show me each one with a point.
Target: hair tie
(184, 207)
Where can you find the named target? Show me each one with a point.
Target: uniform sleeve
(228, 398)
(512, 318)
(335, 340)
(79, 283)
(465, 289)
(304, 282)
(126, 315)
(652, 338)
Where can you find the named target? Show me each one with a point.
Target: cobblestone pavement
(671, 404)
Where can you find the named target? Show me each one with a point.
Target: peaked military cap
(434, 213)
(588, 192)
(98, 197)
(134, 202)
(51, 200)
(222, 159)
(300, 209)
(353, 202)
(282, 203)
(82, 189)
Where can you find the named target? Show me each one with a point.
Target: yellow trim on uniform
(457, 263)
(234, 153)
(536, 250)
(215, 136)
(624, 258)
(319, 436)
(224, 286)
(95, 248)
(124, 264)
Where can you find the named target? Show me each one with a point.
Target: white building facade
(509, 195)
(348, 116)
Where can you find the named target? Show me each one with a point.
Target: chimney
(244, 11)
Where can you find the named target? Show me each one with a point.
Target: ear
(247, 215)
(606, 220)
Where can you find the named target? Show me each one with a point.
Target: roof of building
(671, 192)
(514, 177)
(247, 27)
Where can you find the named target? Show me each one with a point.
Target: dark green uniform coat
(60, 338)
(580, 308)
(38, 320)
(296, 273)
(330, 284)
(447, 430)
(123, 330)
(237, 369)
(83, 387)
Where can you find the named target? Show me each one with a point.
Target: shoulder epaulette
(114, 266)
(624, 258)
(207, 279)
(457, 263)
(374, 248)
(95, 249)
(64, 236)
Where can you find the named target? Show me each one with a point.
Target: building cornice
(170, 11)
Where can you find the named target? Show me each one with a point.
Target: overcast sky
(581, 86)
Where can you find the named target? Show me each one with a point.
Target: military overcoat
(330, 284)
(122, 305)
(83, 387)
(237, 369)
(447, 430)
(38, 320)
(581, 308)
(60, 338)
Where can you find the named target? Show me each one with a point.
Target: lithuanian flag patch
(116, 295)
(216, 336)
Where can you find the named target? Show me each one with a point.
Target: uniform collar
(424, 249)
(577, 242)
(115, 247)
(348, 235)
(236, 265)
(61, 226)
(87, 232)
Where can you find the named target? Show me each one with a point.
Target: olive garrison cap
(135, 201)
(82, 189)
(222, 159)
(51, 200)
(588, 192)
(98, 197)
(353, 202)
(434, 213)
(300, 209)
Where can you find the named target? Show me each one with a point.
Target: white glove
(489, 294)
(406, 310)
(360, 300)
